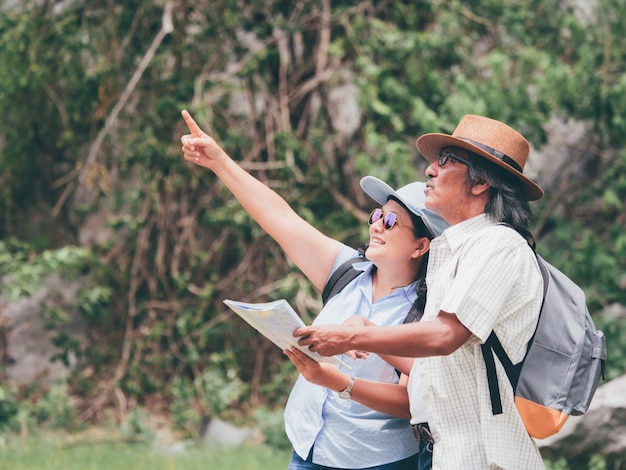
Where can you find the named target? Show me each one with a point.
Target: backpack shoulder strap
(341, 277)
(489, 347)
(493, 345)
(417, 309)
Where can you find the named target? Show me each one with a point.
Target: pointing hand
(198, 146)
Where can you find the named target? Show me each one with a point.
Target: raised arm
(312, 251)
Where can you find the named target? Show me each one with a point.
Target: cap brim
(377, 189)
(380, 192)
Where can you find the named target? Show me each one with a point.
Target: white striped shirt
(488, 276)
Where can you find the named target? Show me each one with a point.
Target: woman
(325, 428)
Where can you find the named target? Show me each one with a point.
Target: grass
(104, 450)
(46, 453)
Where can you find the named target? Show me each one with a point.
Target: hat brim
(430, 146)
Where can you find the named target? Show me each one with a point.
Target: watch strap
(347, 392)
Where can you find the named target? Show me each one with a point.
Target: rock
(565, 159)
(29, 347)
(214, 431)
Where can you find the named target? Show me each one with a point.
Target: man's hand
(327, 340)
(357, 320)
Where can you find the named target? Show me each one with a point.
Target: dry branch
(111, 120)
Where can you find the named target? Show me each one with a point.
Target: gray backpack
(564, 362)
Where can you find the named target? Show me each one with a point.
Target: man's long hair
(507, 202)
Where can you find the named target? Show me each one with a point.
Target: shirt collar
(456, 235)
(363, 265)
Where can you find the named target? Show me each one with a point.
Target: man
(482, 276)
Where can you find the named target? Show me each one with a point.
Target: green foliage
(210, 394)
(53, 410)
(136, 426)
(94, 302)
(282, 378)
(43, 64)
(596, 463)
(8, 408)
(24, 269)
(172, 243)
(219, 387)
(183, 409)
(271, 424)
(37, 409)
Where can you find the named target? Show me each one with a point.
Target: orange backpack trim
(540, 421)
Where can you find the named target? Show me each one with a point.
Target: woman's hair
(419, 231)
(507, 202)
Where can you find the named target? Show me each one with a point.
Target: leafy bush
(8, 408)
(171, 243)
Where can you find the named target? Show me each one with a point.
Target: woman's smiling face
(395, 244)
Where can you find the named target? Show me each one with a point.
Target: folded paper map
(277, 321)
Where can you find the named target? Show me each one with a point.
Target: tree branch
(166, 28)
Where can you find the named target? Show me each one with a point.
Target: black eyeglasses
(390, 219)
(445, 157)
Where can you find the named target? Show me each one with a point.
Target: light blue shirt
(344, 433)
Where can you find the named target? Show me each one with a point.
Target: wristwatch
(347, 392)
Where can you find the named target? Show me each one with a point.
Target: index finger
(301, 331)
(191, 124)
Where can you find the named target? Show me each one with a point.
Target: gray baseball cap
(411, 195)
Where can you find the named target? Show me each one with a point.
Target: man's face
(447, 190)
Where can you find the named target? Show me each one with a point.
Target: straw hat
(490, 139)
(412, 196)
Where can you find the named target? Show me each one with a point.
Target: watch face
(344, 394)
